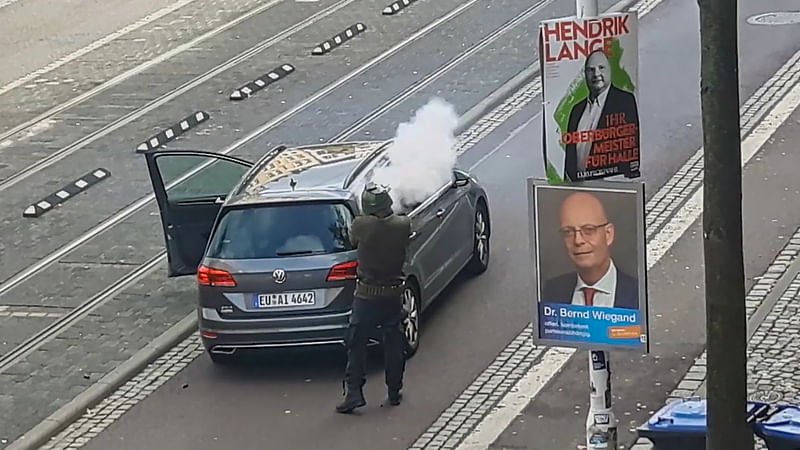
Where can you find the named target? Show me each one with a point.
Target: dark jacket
(382, 244)
(561, 289)
(617, 101)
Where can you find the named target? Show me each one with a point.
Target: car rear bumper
(225, 336)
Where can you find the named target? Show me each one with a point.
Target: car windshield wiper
(299, 252)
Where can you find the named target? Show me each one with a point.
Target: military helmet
(376, 201)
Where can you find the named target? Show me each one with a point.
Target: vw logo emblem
(279, 276)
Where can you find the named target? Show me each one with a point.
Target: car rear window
(282, 231)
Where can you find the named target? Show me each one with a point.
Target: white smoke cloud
(422, 156)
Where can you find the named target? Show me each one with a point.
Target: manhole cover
(766, 396)
(775, 18)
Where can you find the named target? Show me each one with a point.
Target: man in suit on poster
(588, 236)
(601, 109)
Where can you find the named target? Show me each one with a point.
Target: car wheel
(411, 302)
(480, 251)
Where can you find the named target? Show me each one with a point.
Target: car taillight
(207, 276)
(343, 271)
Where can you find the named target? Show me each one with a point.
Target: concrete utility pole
(726, 319)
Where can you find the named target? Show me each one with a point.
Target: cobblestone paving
(103, 63)
(95, 420)
(775, 350)
(65, 366)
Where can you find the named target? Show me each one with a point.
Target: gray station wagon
(269, 241)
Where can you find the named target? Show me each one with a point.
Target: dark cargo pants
(367, 315)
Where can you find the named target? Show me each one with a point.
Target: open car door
(190, 187)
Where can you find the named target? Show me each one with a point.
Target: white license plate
(283, 300)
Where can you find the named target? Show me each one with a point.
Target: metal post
(586, 8)
(601, 424)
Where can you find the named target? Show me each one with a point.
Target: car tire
(480, 241)
(410, 324)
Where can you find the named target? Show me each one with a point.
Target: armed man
(381, 239)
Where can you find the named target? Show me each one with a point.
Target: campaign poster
(589, 69)
(589, 269)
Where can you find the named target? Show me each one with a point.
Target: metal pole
(586, 8)
(601, 424)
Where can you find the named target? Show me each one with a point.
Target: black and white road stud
(349, 33)
(397, 6)
(65, 193)
(262, 82)
(173, 132)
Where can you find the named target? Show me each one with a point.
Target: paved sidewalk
(773, 310)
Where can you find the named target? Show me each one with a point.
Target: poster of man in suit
(589, 76)
(589, 264)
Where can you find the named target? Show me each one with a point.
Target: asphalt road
(287, 398)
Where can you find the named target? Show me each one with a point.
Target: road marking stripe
(517, 399)
(493, 425)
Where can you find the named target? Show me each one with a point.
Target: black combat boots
(394, 398)
(354, 398)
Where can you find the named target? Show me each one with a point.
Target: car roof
(307, 173)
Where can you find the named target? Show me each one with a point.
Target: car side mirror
(460, 180)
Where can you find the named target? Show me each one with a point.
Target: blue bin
(681, 425)
(781, 430)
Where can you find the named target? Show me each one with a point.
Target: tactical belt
(379, 290)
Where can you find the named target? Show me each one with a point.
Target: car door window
(191, 177)
(190, 188)
(429, 202)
